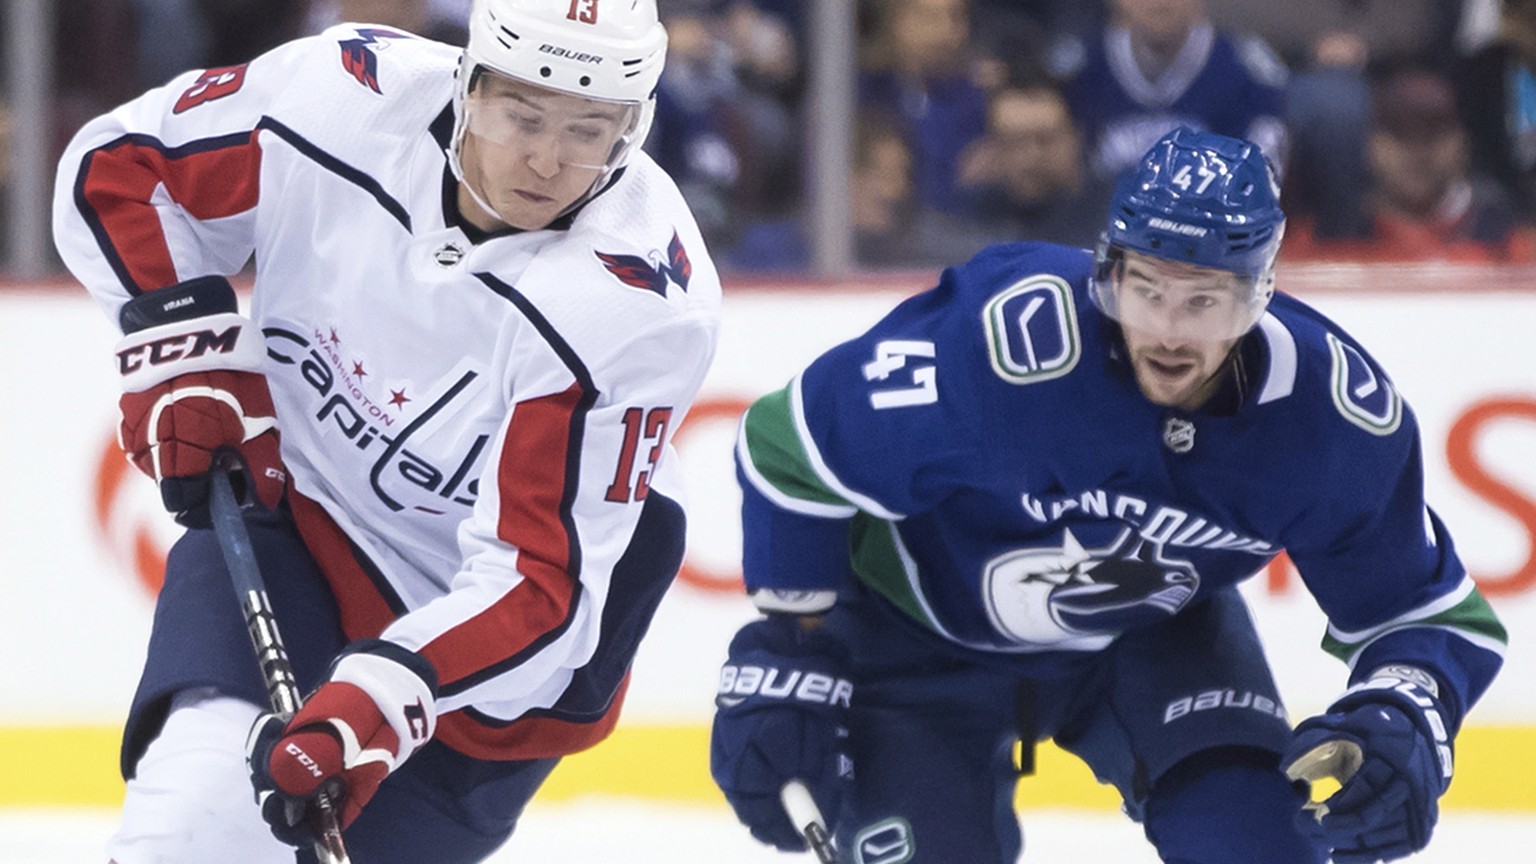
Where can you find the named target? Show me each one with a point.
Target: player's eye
(1202, 301)
(525, 122)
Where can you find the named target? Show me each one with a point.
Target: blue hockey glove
(1385, 740)
(781, 714)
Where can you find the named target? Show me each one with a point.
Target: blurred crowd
(1402, 129)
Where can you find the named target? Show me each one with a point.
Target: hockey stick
(806, 817)
(282, 689)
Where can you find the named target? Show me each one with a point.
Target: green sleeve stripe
(776, 462)
(1472, 619)
(882, 564)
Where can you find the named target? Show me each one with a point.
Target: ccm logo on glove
(304, 759)
(178, 346)
(739, 682)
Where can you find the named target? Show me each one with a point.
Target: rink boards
(84, 537)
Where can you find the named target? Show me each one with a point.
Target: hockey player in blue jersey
(1018, 508)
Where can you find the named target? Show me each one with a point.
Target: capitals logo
(653, 274)
(359, 59)
(1046, 596)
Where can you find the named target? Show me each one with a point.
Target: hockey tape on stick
(806, 817)
(282, 689)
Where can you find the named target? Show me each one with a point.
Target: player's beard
(1183, 378)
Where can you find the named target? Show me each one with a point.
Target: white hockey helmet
(604, 50)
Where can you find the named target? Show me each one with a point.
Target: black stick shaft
(276, 671)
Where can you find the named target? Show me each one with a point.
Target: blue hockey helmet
(1199, 199)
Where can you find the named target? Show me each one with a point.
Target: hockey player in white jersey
(479, 312)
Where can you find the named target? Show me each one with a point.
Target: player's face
(530, 153)
(1178, 322)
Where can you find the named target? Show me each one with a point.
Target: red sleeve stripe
(537, 473)
(368, 603)
(210, 178)
(531, 736)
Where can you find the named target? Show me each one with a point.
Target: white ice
(621, 831)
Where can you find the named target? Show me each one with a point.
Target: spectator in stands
(891, 229)
(1013, 38)
(1423, 204)
(5, 181)
(767, 138)
(172, 38)
(917, 66)
(442, 20)
(1497, 88)
(1329, 45)
(1346, 32)
(1160, 64)
(721, 129)
(1028, 172)
(177, 35)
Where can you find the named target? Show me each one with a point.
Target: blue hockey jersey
(1216, 83)
(983, 458)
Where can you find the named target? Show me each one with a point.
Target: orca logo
(1048, 596)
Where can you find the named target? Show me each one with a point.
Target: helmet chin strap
(457, 168)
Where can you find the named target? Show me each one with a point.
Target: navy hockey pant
(441, 806)
(1182, 718)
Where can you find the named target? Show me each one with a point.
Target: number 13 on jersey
(640, 427)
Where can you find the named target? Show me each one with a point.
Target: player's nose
(543, 157)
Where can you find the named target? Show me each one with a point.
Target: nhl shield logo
(448, 255)
(1179, 435)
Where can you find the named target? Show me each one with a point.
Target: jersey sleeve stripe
(537, 473)
(819, 465)
(1464, 612)
(767, 446)
(534, 735)
(209, 178)
(366, 600)
(352, 175)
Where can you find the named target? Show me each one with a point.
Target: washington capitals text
(324, 372)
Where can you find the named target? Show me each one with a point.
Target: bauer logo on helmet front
(1177, 228)
(578, 56)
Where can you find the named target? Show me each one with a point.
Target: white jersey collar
(1174, 81)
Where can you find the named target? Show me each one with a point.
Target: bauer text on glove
(781, 715)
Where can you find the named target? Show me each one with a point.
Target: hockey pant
(189, 797)
(1182, 717)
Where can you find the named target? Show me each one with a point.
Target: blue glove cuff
(1414, 692)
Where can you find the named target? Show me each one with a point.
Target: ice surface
(610, 831)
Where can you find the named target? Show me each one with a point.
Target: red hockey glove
(192, 383)
(376, 709)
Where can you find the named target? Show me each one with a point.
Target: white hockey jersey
(471, 428)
